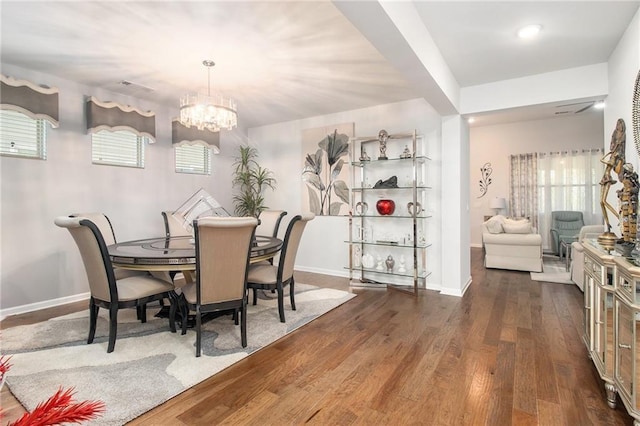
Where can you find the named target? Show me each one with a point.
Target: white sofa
(577, 253)
(511, 244)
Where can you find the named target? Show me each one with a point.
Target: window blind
(22, 136)
(120, 148)
(194, 159)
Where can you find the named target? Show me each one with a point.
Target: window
(22, 136)
(194, 159)
(120, 148)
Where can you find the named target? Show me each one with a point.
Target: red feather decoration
(61, 408)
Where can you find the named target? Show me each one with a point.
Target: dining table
(177, 253)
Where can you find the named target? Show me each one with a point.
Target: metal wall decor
(485, 179)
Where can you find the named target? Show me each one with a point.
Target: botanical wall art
(326, 169)
(485, 179)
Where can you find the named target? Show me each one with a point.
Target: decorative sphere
(383, 135)
(385, 207)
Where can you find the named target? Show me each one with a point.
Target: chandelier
(211, 112)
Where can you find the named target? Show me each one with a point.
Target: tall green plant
(250, 179)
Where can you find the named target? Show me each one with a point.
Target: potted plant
(251, 180)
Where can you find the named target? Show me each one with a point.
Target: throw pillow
(494, 225)
(517, 227)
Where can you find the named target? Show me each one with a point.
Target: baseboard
(344, 274)
(458, 293)
(23, 309)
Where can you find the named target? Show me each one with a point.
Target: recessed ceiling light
(529, 31)
(471, 120)
(599, 105)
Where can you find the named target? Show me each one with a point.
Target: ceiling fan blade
(575, 103)
(585, 108)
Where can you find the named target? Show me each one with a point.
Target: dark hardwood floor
(509, 352)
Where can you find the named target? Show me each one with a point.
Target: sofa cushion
(512, 239)
(517, 227)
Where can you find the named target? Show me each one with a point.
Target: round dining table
(177, 253)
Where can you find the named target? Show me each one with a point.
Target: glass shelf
(409, 273)
(358, 189)
(420, 216)
(420, 159)
(389, 244)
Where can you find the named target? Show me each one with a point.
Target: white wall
(39, 262)
(494, 144)
(624, 65)
(323, 248)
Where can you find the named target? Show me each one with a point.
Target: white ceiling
(288, 60)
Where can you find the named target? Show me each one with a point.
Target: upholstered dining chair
(223, 248)
(172, 226)
(107, 291)
(108, 234)
(270, 222)
(269, 277)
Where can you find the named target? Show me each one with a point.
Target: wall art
(325, 174)
(485, 179)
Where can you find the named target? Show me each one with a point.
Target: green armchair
(565, 227)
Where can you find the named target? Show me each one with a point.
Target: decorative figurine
(613, 161)
(390, 262)
(356, 257)
(402, 269)
(383, 136)
(406, 153)
(364, 156)
(392, 182)
(628, 197)
(379, 261)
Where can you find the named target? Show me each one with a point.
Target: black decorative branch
(485, 180)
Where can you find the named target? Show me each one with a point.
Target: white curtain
(523, 196)
(568, 180)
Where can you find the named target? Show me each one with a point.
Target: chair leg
(184, 311)
(292, 284)
(198, 332)
(143, 313)
(173, 307)
(280, 301)
(93, 318)
(243, 324)
(113, 326)
(255, 296)
(235, 316)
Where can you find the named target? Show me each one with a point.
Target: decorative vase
(390, 263)
(386, 207)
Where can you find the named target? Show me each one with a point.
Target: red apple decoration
(386, 207)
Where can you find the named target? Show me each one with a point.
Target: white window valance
(113, 117)
(36, 102)
(183, 135)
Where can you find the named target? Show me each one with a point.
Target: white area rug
(553, 271)
(150, 364)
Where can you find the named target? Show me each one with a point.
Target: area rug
(150, 364)
(554, 270)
